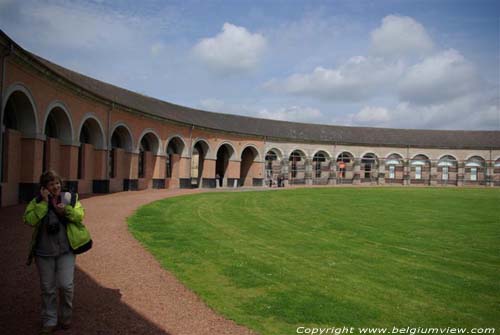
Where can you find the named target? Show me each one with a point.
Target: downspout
(108, 146)
(10, 49)
(190, 151)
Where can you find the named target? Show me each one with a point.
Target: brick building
(102, 138)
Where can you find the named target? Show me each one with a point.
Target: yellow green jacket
(77, 233)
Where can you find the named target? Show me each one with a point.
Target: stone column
(356, 178)
(406, 172)
(308, 171)
(433, 173)
(381, 172)
(489, 173)
(461, 173)
(332, 178)
(284, 171)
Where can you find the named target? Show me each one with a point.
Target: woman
(57, 219)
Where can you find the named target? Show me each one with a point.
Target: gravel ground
(119, 287)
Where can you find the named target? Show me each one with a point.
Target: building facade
(102, 138)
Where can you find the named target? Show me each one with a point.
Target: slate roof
(273, 129)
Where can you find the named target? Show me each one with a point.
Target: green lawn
(375, 257)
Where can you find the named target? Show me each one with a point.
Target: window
(473, 174)
(418, 172)
(392, 169)
(444, 175)
(317, 169)
(270, 158)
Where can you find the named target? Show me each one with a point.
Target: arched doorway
(369, 168)
(224, 153)
(345, 167)
(273, 167)
(175, 148)
(447, 169)
(475, 171)
(119, 160)
(17, 150)
(394, 169)
(297, 161)
(198, 154)
(91, 157)
(248, 167)
(58, 147)
(420, 170)
(321, 168)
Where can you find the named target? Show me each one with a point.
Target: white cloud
(293, 113)
(372, 115)
(232, 50)
(473, 111)
(357, 79)
(289, 113)
(441, 77)
(400, 36)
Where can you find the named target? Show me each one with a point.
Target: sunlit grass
(377, 257)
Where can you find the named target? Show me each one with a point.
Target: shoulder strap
(73, 199)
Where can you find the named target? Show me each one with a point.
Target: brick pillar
(32, 156)
(208, 175)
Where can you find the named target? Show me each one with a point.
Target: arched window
(393, 161)
(270, 158)
(474, 166)
(295, 157)
(343, 160)
(368, 164)
(318, 159)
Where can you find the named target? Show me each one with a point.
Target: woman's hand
(45, 194)
(59, 209)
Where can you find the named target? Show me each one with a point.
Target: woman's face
(54, 187)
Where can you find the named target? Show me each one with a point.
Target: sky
(386, 63)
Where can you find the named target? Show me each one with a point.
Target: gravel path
(120, 287)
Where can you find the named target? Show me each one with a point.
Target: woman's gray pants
(56, 272)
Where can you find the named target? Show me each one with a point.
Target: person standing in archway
(58, 234)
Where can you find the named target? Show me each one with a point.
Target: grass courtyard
(333, 257)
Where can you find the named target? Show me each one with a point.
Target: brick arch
(156, 145)
(185, 147)
(100, 142)
(63, 119)
(129, 139)
(233, 153)
(29, 122)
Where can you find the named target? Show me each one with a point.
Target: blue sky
(406, 64)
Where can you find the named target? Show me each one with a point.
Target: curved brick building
(102, 138)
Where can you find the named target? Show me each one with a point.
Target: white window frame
(444, 175)
(418, 172)
(473, 173)
(392, 170)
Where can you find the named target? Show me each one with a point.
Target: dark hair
(49, 176)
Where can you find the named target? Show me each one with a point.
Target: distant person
(58, 235)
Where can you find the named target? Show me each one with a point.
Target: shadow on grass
(97, 309)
